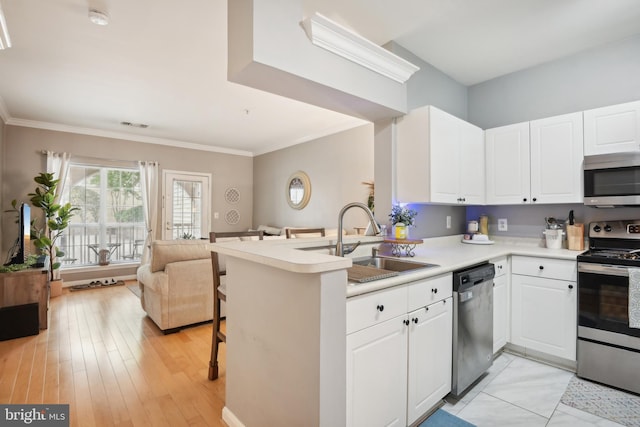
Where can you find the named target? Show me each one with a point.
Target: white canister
(553, 238)
(472, 227)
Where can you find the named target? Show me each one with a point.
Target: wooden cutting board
(362, 273)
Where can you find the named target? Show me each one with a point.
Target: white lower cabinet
(376, 375)
(399, 368)
(430, 342)
(501, 319)
(543, 306)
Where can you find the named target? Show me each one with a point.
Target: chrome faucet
(342, 249)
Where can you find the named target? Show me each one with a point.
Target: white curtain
(149, 189)
(58, 164)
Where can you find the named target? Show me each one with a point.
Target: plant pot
(55, 288)
(401, 231)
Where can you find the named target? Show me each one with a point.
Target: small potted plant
(402, 218)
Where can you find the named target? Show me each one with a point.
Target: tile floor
(521, 392)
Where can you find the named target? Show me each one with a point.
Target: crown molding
(329, 35)
(120, 135)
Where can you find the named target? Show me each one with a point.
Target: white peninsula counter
(285, 356)
(286, 328)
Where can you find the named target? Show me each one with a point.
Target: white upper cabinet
(508, 164)
(612, 129)
(439, 158)
(535, 162)
(556, 159)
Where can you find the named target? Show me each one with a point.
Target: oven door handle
(606, 269)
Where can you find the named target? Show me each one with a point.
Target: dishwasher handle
(463, 280)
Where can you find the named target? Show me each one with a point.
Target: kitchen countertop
(450, 254)
(311, 255)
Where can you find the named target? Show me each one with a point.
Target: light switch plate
(502, 224)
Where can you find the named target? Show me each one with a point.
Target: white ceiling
(163, 62)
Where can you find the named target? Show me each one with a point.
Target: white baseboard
(230, 419)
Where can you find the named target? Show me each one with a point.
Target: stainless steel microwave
(612, 180)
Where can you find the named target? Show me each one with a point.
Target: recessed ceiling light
(98, 18)
(135, 125)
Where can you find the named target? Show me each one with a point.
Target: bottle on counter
(484, 225)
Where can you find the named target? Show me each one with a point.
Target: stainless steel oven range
(608, 346)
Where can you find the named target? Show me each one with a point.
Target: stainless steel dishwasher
(472, 325)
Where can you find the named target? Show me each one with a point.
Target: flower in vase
(402, 214)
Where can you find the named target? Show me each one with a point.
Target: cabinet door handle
(535, 199)
(406, 322)
(570, 286)
(415, 320)
(524, 200)
(541, 267)
(426, 309)
(435, 290)
(380, 307)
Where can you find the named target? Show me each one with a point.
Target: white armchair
(177, 284)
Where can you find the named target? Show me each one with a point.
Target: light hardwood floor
(113, 366)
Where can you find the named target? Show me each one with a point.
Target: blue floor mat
(442, 418)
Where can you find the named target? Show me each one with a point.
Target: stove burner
(614, 254)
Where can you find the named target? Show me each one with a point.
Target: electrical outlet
(502, 224)
(448, 221)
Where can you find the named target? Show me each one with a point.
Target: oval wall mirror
(298, 190)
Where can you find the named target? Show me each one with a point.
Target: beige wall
(336, 164)
(22, 160)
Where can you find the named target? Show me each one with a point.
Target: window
(109, 217)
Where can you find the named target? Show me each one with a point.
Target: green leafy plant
(31, 259)
(402, 214)
(56, 217)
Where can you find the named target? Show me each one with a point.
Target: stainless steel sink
(392, 264)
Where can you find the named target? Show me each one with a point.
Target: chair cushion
(164, 252)
(270, 231)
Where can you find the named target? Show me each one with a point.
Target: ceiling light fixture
(98, 18)
(329, 35)
(134, 125)
(5, 41)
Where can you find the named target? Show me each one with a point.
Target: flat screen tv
(20, 250)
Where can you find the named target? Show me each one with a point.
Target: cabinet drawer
(369, 309)
(501, 265)
(544, 267)
(430, 290)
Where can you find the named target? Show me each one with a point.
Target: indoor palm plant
(402, 218)
(56, 216)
